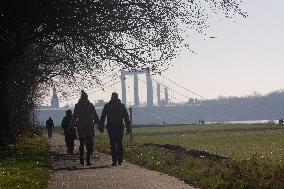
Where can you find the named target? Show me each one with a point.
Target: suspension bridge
(127, 82)
(155, 100)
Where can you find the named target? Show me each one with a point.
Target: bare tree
(40, 39)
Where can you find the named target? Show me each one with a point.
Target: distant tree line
(255, 107)
(69, 42)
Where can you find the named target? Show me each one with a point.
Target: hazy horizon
(246, 55)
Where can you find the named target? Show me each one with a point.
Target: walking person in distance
(49, 126)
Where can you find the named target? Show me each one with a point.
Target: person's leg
(66, 143)
(112, 147)
(90, 147)
(49, 133)
(66, 137)
(69, 144)
(119, 139)
(72, 145)
(81, 148)
(92, 144)
(66, 140)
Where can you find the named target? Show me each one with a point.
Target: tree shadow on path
(70, 162)
(72, 168)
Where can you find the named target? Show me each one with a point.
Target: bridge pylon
(135, 73)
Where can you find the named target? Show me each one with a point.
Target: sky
(246, 55)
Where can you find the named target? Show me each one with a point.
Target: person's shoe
(113, 164)
(119, 162)
(82, 163)
(88, 161)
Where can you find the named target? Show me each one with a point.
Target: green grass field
(25, 165)
(255, 154)
(234, 141)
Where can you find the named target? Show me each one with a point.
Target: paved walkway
(69, 175)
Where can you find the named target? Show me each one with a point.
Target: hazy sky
(246, 56)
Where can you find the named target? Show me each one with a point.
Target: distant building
(53, 111)
(54, 103)
(100, 103)
(54, 99)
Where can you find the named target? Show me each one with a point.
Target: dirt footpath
(69, 175)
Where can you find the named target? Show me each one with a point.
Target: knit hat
(69, 112)
(84, 95)
(114, 96)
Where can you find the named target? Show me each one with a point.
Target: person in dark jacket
(85, 117)
(69, 132)
(49, 126)
(116, 113)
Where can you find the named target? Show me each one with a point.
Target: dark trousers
(49, 132)
(116, 138)
(88, 141)
(69, 140)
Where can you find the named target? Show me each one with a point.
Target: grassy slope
(234, 141)
(255, 152)
(25, 165)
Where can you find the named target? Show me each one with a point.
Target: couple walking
(85, 117)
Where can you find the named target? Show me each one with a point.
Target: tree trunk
(5, 111)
